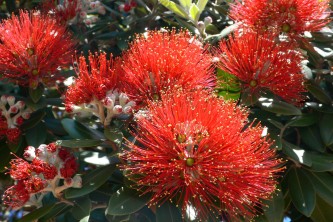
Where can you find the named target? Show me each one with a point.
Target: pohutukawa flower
(292, 17)
(33, 47)
(260, 64)
(12, 115)
(197, 150)
(157, 61)
(65, 12)
(96, 90)
(49, 164)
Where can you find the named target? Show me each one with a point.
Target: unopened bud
(123, 99)
(108, 103)
(26, 115)
(4, 99)
(117, 109)
(128, 110)
(101, 10)
(77, 181)
(20, 104)
(208, 20)
(13, 109)
(11, 100)
(29, 153)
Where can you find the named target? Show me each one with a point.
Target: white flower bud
(77, 181)
(4, 99)
(123, 99)
(29, 153)
(117, 109)
(20, 104)
(11, 100)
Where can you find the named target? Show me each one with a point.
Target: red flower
(70, 168)
(199, 150)
(64, 12)
(92, 83)
(32, 49)
(157, 61)
(292, 17)
(41, 167)
(34, 184)
(261, 64)
(20, 169)
(16, 196)
(13, 135)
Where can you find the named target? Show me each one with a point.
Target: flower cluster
(74, 11)
(200, 151)
(32, 48)
(159, 61)
(12, 115)
(261, 65)
(95, 90)
(48, 164)
(128, 6)
(291, 17)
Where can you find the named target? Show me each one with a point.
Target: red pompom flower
(262, 65)
(292, 17)
(32, 49)
(96, 90)
(197, 150)
(157, 61)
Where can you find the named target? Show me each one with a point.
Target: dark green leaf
(321, 162)
(323, 211)
(82, 207)
(275, 210)
(14, 147)
(168, 212)
(76, 130)
(91, 181)
(301, 191)
(279, 107)
(318, 92)
(113, 134)
(36, 94)
(34, 119)
(310, 136)
(40, 212)
(326, 129)
(79, 143)
(58, 209)
(303, 120)
(126, 201)
(36, 135)
(323, 184)
(5, 156)
(296, 153)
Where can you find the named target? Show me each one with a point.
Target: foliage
(301, 134)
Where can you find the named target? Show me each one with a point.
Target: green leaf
(323, 211)
(5, 156)
(38, 213)
(113, 134)
(168, 212)
(275, 207)
(79, 143)
(14, 147)
(296, 153)
(318, 92)
(36, 94)
(185, 3)
(301, 191)
(194, 12)
(75, 129)
(34, 119)
(326, 129)
(36, 135)
(279, 107)
(58, 209)
(81, 208)
(303, 120)
(323, 183)
(126, 201)
(321, 162)
(91, 181)
(175, 8)
(310, 136)
(201, 5)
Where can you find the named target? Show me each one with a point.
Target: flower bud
(208, 20)
(117, 109)
(20, 104)
(77, 181)
(123, 99)
(29, 153)
(4, 99)
(11, 100)
(13, 109)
